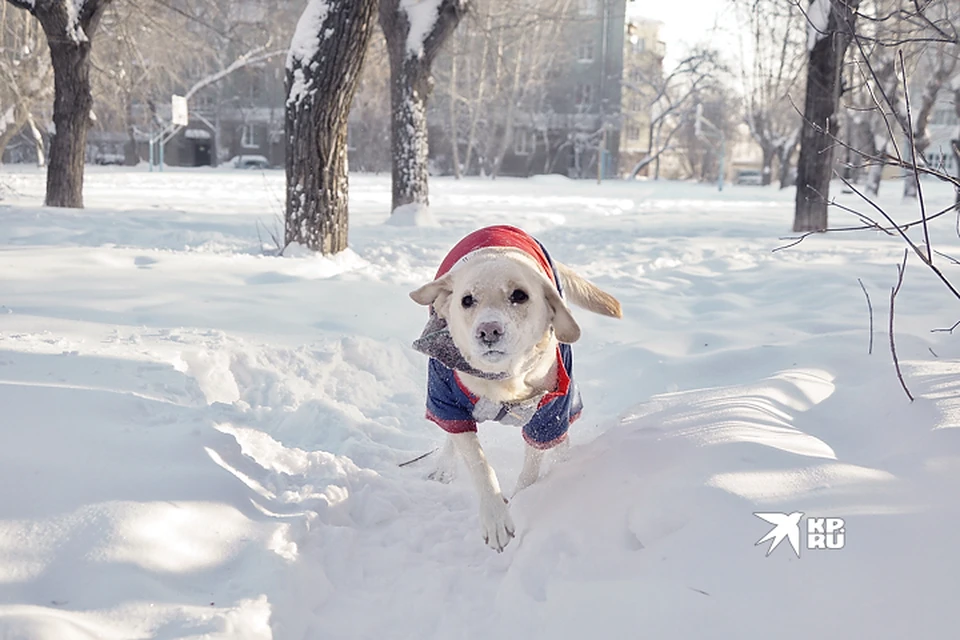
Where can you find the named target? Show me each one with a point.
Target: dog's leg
(532, 459)
(495, 522)
(446, 469)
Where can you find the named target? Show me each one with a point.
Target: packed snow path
(201, 441)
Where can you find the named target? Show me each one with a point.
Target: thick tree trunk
(323, 73)
(69, 37)
(71, 118)
(410, 87)
(815, 166)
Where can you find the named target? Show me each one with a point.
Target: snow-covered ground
(201, 441)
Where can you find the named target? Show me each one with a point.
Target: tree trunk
(131, 151)
(786, 153)
(410, 86)
(478, 107)
(955, 145)
(766, 168)
(19, 116)
(37, 141)
(944, 70)
(323, 73)
(815, 166)
(508, 125)
(69, 38)
(71, 119)
(454, 137)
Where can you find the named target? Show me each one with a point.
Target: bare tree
(940, 69)
(772, 61)
(672, 100)
(370, 112)
(26, 78)
(69, 26)
(323, 71)
(415, 31)
(830, 30)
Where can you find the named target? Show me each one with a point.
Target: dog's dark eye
(467, 301)
(519, 296)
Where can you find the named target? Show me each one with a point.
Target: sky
(685, 22)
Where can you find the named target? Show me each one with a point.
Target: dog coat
(449, 403)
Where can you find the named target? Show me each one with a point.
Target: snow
(818, 20)
(422, 15)
(200, 440)
(414, 214)
(305, 43)
(306, 37)
(74, 30)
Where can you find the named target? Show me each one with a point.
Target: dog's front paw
(495, 522)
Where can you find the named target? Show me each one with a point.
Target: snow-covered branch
(249, 58)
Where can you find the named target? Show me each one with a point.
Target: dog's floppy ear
(564, 324)
(436, 293)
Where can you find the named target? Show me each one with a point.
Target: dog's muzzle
(489, 333)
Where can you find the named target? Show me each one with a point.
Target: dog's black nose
(489, 333)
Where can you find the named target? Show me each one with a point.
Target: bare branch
(870, 310)
(901, 268)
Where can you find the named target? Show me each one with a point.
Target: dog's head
(499, 306)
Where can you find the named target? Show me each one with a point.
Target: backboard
(180, 116)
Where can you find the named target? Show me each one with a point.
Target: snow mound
(414, 214)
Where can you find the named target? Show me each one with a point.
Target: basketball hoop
(180, 117)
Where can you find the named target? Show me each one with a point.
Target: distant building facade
(643, 53)
(578, 134)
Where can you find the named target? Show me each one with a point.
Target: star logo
(785, 526)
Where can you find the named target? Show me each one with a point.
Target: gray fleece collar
(436, 342)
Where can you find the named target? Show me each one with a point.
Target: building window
(633, 132)
(639, 44)
(524, 142)
(587, 7)
(248, 137)
(584, 95)
(585, 51)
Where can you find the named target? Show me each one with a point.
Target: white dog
(498, 337)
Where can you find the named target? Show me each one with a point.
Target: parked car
(250, 162)
(108, 158)
(753, 177)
